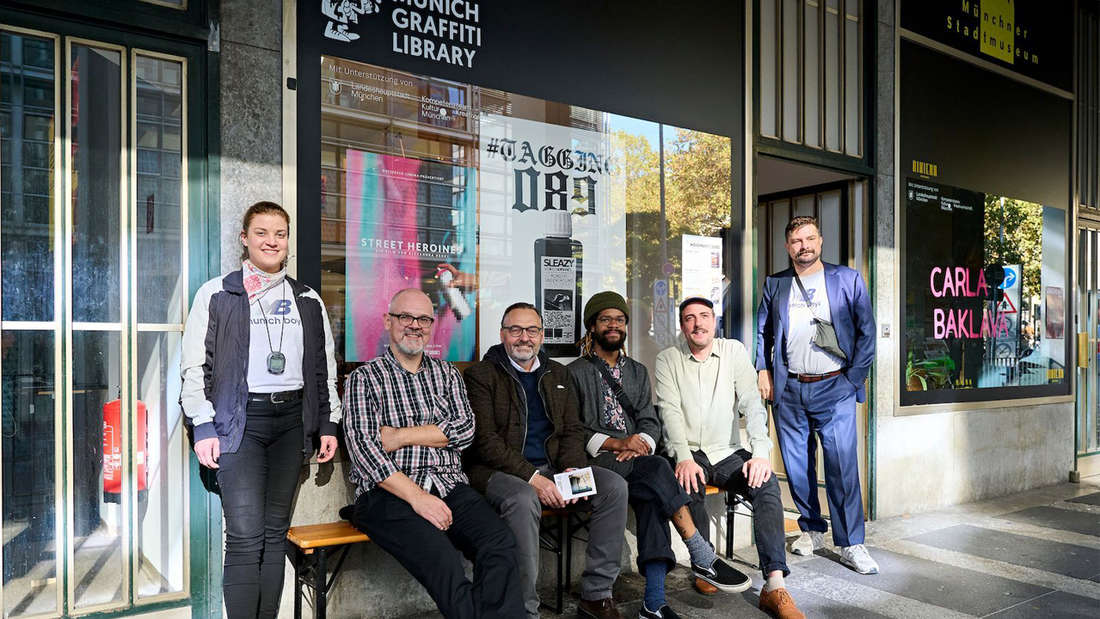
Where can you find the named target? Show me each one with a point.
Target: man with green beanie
(622, 428)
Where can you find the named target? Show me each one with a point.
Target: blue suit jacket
(851, 313)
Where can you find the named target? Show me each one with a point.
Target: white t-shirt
(803, 356)
(283, 319)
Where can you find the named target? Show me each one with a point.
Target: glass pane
(762, 225)
(1094, 423)
(803, 206)
(767, 56)
(27, 118)
(986, 302)
(160, 466)
(30, 446)
(829, 217)
(158, 203)
(832, 82)
(781, 214)
(790, 70)
(96, 165)
(602, 227)
(853, 102)
(701, 214)
(98, 572)
(812, 93)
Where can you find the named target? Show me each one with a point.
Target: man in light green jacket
(703, 386)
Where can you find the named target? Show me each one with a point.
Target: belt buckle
(274, 398)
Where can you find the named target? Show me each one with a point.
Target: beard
(522, 354)
(411, 348)
(609, 345)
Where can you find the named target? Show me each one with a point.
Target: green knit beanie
(600, 301)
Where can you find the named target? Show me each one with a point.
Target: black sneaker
(663, 613)
(722, 575)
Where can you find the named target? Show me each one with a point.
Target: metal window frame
(70, 326)
(136, 328)
(54, 326)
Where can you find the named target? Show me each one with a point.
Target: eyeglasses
(618, 321)
(516, 331)
(406, 320)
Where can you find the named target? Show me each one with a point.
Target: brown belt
(813, 378)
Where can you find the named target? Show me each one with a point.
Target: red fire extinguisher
(112, 448)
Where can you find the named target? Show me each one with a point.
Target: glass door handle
(1083, 349)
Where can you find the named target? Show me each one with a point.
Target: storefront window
(986, 302)
(482, 198)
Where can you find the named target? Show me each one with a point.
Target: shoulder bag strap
(806, 298)
(616, 386)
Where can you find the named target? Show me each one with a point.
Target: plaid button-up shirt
(382, 393)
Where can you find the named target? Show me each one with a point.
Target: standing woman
(259, 383)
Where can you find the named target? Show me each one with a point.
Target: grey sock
(702, 554)
(774, 581)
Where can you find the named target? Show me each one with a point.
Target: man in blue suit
(816, 386)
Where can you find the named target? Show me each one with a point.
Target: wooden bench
(313, 544)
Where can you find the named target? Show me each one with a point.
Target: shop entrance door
(103, 159)
(1088, 353)
(840, 206)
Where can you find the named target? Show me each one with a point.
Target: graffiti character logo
(341, 13)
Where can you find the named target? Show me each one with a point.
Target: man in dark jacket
(527, 429)
(622, 427)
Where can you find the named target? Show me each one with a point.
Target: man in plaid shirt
(407, 422)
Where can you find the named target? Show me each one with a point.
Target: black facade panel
(985, 132)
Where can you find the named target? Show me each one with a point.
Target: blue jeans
(827, 408)
(257, 487)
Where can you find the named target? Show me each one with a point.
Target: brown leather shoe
(705, 587)
(599, 609)
(778, 603)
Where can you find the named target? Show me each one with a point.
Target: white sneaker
(857, 558)
(808, 542)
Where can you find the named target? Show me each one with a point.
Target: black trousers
(257, 488)
(766, 501)
(433, 556)
(655, 496)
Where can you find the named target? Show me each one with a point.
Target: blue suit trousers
(826, 408)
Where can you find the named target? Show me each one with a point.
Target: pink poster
(410, 224)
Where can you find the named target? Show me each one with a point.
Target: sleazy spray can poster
(410, 224)
(552, 224)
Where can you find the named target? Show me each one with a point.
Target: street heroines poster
(553, 225)
(410, 224)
